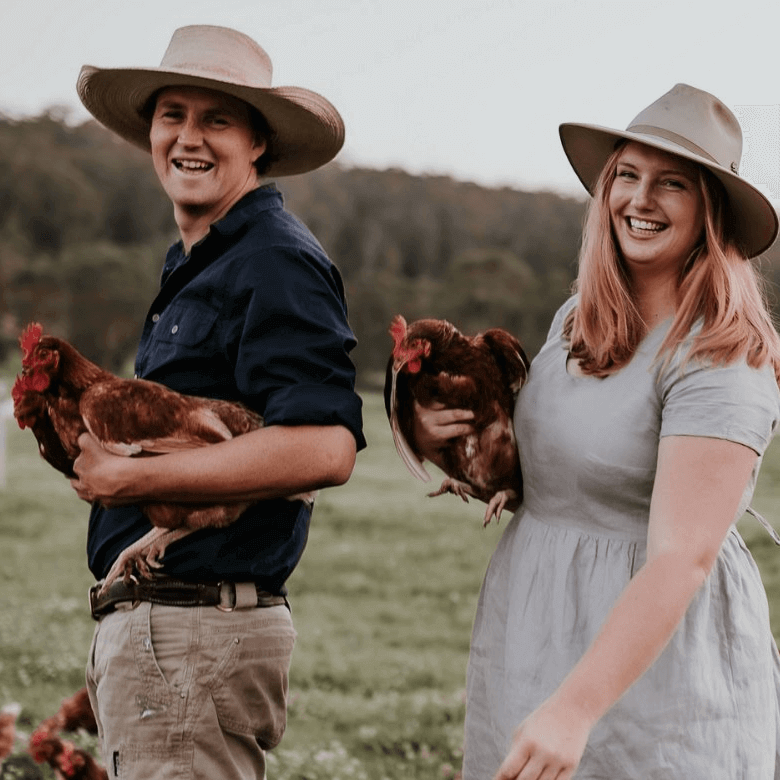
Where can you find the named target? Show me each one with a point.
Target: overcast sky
(471, 88)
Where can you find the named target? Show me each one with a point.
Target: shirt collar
(262, 198)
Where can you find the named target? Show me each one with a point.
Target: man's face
(203, 149)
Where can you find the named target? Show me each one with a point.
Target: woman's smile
(640, 226)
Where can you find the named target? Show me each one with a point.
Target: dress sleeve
(560, 317)
(734, 402)
(292, 360)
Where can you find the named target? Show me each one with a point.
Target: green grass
(383, 602)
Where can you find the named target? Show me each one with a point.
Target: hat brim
(309, 131)
(755, 220)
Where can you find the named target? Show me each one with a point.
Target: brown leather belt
(226, 596)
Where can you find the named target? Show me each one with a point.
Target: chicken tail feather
(408, 456)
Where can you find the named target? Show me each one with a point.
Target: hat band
(668, 135)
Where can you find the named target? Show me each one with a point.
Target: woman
(622, 626)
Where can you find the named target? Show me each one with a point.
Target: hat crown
(696, 121)
(218, 53)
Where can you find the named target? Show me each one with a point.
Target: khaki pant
(183, 693)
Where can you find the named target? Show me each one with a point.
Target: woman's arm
(698, 486)
(270, 462)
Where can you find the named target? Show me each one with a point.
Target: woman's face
(656, 209)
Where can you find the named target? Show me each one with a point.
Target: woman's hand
(547, 745)
(435, 425)
(99, 474)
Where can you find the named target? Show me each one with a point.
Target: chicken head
(407, 353)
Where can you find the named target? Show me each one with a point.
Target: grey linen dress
(709, 707)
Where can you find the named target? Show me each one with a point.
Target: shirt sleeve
(556, 328)
(733, 402)
(292, 357)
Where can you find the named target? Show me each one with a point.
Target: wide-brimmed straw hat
(308, 130)
(697, 126)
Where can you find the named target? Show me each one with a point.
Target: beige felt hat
(309, 130)
(695, 125)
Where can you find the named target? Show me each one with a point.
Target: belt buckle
(111, 605)
(93, 591)
(226, 590)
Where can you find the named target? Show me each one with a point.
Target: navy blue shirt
(256, 313)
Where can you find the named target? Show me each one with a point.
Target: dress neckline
(662, 325)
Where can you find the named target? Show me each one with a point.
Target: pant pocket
(249, 686)
(144, 761)
(171, 637)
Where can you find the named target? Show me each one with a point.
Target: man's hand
(98, 473)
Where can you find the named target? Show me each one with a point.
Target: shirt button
(155, 317)
(175, 329)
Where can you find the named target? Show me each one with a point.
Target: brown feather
(433, 362)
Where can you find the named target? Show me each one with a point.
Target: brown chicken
(75, 713)
(432, 361)
(60, 395)
(68, 761)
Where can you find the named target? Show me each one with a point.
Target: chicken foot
(144, 555)
(454, 486)
(495, 506)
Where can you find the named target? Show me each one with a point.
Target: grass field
(383, 602)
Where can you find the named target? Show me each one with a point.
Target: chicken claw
(454, 486)
(143, 556)
(497, 504)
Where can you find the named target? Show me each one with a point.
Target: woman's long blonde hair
(718, 285)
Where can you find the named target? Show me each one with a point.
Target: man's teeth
(641, 224)
(192, 165)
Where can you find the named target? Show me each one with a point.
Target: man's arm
(267, 463)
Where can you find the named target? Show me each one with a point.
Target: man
(250, 309)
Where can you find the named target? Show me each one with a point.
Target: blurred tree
(84, 224)
(110, 289)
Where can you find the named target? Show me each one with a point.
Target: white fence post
(6, 412)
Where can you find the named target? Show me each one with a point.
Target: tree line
(84, 226)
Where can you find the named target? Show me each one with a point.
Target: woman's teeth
(641, 224)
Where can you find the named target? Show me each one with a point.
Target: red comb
(29, 340)
(398, 329)
(36, 744)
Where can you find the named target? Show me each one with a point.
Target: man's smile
(192, 166)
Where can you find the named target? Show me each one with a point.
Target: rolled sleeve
(292, 357)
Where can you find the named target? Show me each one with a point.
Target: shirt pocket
(185, 324)
(185, 330)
